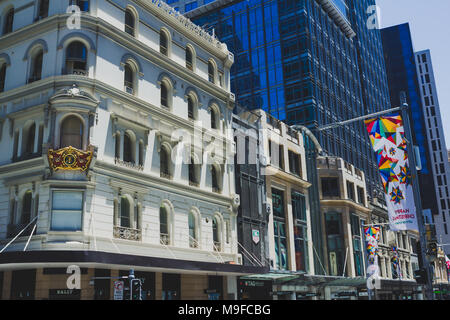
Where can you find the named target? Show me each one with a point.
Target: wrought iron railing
(130, 165)
(127, 233)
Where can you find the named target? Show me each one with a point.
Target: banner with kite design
(387, 136)
(372, 235)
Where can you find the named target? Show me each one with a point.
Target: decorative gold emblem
(69, 158)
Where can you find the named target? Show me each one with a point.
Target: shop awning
(279, 277)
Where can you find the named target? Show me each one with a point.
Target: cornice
(274, 172)
(345, 203)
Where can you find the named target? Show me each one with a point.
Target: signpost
(118, 290)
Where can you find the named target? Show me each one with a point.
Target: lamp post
(420, 222)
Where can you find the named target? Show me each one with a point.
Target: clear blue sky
(429, 21)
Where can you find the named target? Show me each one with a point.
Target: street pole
(417, 199)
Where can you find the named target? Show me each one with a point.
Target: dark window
(164, 95)
(189, 59)
(164, 163)
(72, 132)
(125, 212)
(215, 283)
(23, 284)
(129, 22)
(211, 72)
(190, 108)
(298, 206)
(216, 239)
(36, 66)
(128, 79)
(335, 243)
(214, 179)
(279, 225)
(127, 148)
(76, 59)
(163, 225)
(83, 4)
(330, 187)
(43, 9)
(25, 217)
(30, 137)
(102, 286)
(163, 43)
(2, 77)
(171, 286)
(9, 21)
(351, 191)
(360, 195)
(294, 163)
(192, 172)
(357, 248)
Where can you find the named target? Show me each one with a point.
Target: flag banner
(372, 235)
(395, 263)
(387, 136)
(447, 262)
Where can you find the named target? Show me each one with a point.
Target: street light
(420, 222)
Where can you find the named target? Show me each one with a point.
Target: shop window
(23, 284)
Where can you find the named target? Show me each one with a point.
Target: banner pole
(417, 199)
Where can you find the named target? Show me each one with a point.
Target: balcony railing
(76, 72)
(130, 165)
(127, 233)
(164, 239)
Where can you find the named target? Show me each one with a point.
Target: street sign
(118, 290)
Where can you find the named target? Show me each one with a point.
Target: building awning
(273, 276)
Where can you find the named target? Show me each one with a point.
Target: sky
(429, 21)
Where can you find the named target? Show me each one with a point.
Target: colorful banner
(395, 263)
(447, 262)
(372, 235)
(388, 141)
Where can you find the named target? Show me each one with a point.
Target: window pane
(67, 200)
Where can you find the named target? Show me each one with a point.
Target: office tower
(306, 62)
(436, 143)
(402, 76)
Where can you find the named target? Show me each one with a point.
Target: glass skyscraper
(310, 62)
(402, 76)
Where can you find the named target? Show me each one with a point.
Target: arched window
(163, 43)
(2, 76)
(117, 148)
(164, 163)
(42, 9)
(30, 135)
(125, 212)
(36, 66)
(130, 22)
(193, 181)
(189, 59)
(211, 72)
(76, 59)
(191, 107)
(72, 132)
(214, 119)
(164, 95)
(128, 148)
(9, 21)
(25, 216)
(164, 225)
(129, 79)
(214, 179)
(216, 236)
(193, 241)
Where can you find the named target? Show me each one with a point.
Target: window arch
(164, 42)
(164, 228)
(130, 21)
(2, 76)
(125, 212)
(129, 79)
(164, 161)
(166, 94)
(42, 11)
(191, 106)
(193, 169)
(215, 117)
(212, 71)
(190, 57)
(37, 57)
(76, 58)
(72, 132)
(9, 21)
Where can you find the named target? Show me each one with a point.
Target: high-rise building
(436, 143)
(305, 62)
(402, 76)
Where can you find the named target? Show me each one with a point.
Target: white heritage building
(122, 83)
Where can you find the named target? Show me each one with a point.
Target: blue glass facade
(295, 62)
(402, 76)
